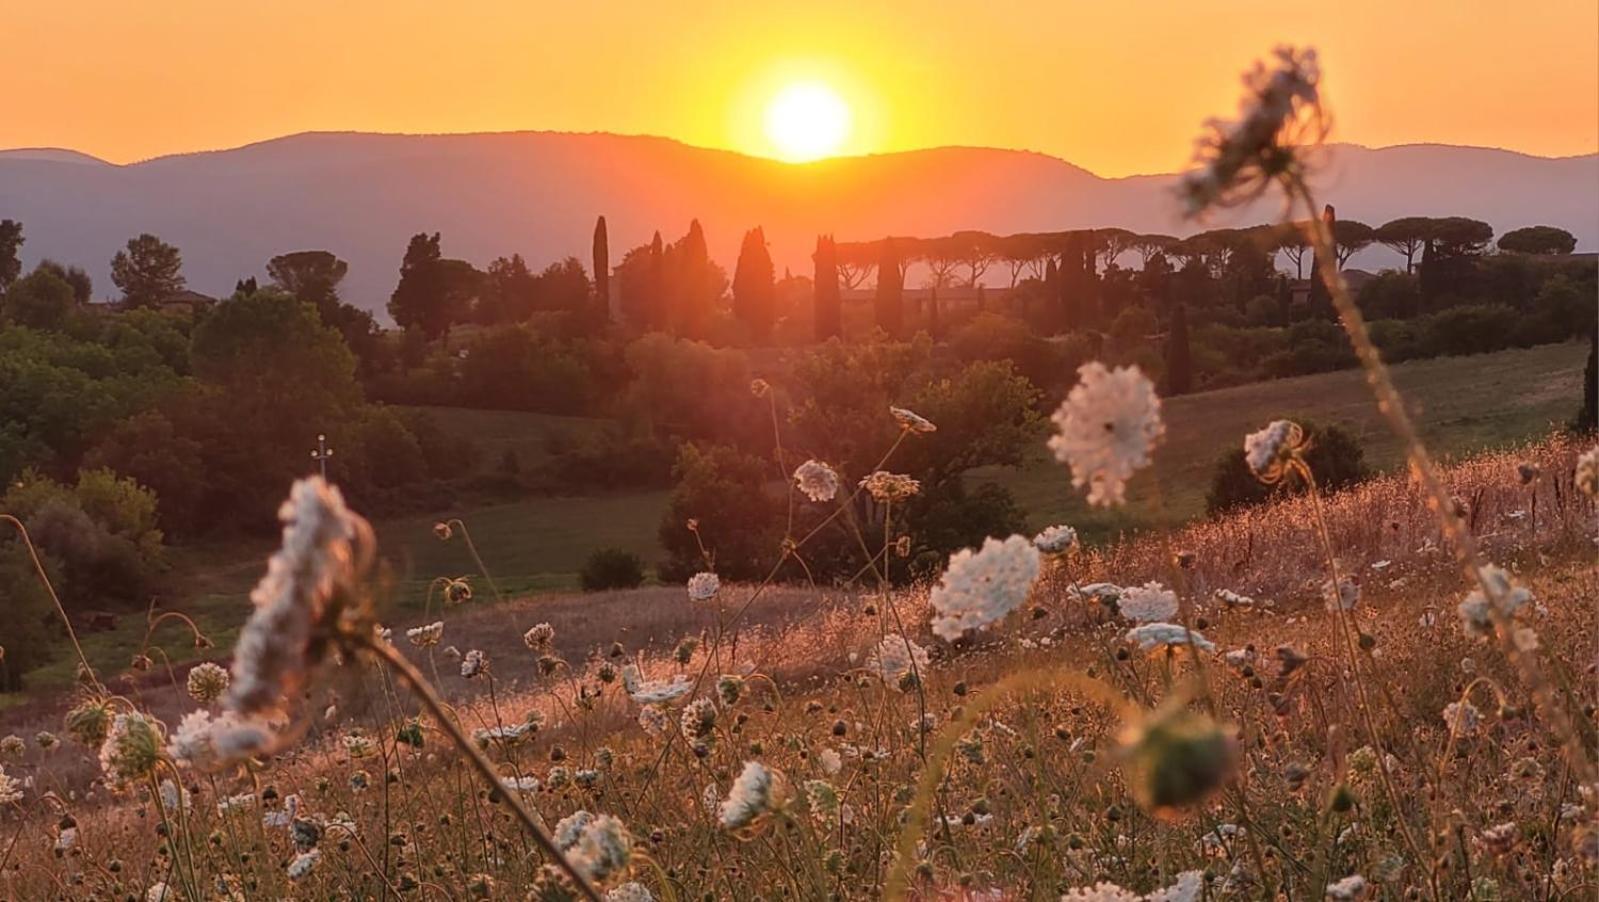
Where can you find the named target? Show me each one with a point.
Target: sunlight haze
(1116, 88)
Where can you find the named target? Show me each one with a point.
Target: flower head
(1154, 636)
(603, 849)
(208, 743)
(308, 598)
(1345, 594)
(133, 747)
(539, 636)
(817, 480)
(1055, 539)
(757, 791)
(1478, 610)
(981, 587)
(885, 486)
(1462, 718)
(910, 421)
(206, 682)
(900, 662)
(654, 692)
(1148, 603)
(10, 789)
(702, 586)
(1268, 451)
(1588, 472)
(1175, 757)
(475, 664)
(1350, 889)
(426, 636)
(1235, 161)
(1107, 427)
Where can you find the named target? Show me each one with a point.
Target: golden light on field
(807, 121)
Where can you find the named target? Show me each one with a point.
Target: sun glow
(807, 121)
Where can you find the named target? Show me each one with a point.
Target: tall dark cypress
(602, 271)
(1179, 356)
(1588, 417)
(1320, 298)
(829, 304)
(890, 298)
(754, 292)
(658, 304)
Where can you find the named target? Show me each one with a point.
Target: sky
(1119, 88)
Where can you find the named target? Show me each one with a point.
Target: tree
(1538, 240)
(1453, 246)
(1587, 421)
(602, 271)
(10, 244)
(754, 286)
(39, 300)
(311, 276)
(1148, 246)
(829, 304)
(1334, 455)
(434, 293)
(75, 276)
(148, 271)
(508, 294)
(888, 304)
(694, 284)
(1351, 236)
(1407, 235)
(1179, 356)
(856, 260)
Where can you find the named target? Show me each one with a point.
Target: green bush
(611, 568)
(1334, 454)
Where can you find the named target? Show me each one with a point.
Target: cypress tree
(753, 287)
(1588, 417)
(1320, 298)
(602, 271)
(690, 274)
(658, 304)
(828, 304)
(1179, 356)
(890, 299)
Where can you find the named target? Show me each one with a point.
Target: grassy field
(530, 435)
(1463, 405)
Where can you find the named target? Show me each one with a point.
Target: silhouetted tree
(311, 276)
(1454, 243)
(829, 304)
(148, 271)
(935, 325)
(1352, 236)
(40, 300)
(434, 293)
(245, 286)
(1407, 235)
(10, 247)
(1320, 298)
(694, 284)
(602, 270)
(82, 284)
(754, 286)
(1587, 420)
(1179, 356)
(889, 302)
(1538, 240)
(508, 294)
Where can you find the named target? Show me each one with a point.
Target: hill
(537, 193)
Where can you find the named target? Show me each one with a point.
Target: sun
(807, 121)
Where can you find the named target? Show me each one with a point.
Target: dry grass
(1035, 794)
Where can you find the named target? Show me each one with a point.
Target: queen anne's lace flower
(1152, 636)
(1350, 889)
(1107, 427)
(10, 789)
(133, 747)
(630, 892)
(1148, 603)
(885, 486)
(1462, 718)
(1345, 595)
(206, 682)
(817, 480)
(1187, 889)
(301, 601)
(207, 743)
(1281, 108)
(1477, 611)
(603, 849)
(1055, 539)
(1588, 472)
(898, 661)
(539, 636)
(910, 421)
(426, 636)
(702, 586)
(1268, 451)
(652, 692)
(982, 587)
(756, 792)
(303, 864)
(475, 664)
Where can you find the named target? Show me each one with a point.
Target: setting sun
(807, 121)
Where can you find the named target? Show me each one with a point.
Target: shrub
(1475, 329)
(611, 568)
(1334, 454)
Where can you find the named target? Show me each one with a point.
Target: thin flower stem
(38, 566)
(409, 675)
(477, 559)
(1392, 407)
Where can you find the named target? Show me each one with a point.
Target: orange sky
(1117, 87)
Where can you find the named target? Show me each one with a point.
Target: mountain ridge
(362, 194)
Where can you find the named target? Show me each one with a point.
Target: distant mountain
(537, 193)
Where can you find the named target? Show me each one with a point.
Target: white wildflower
(1462, 718)
(160, 892)
(1055, 539)
(630, 892)
(1148, 603)
(1152, 636)
(206, 682)
(830, 762)
(702, 586)
(133, 747)
(1350, 889)
(651, 692)
(911, 421)
(475, 664)
(603, 849)
(1108, 425)
(981, 587)
(818, 481)
(1269, 451)
(426, 636)
(1346, 595)
(539, 636)
(1587, 476)
(1477, 611)
(756, 792)
(208, 743)
(10, 788)
(885, 486)
(302, 864)
(899, 662)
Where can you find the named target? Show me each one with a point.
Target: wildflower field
(1383, 692)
